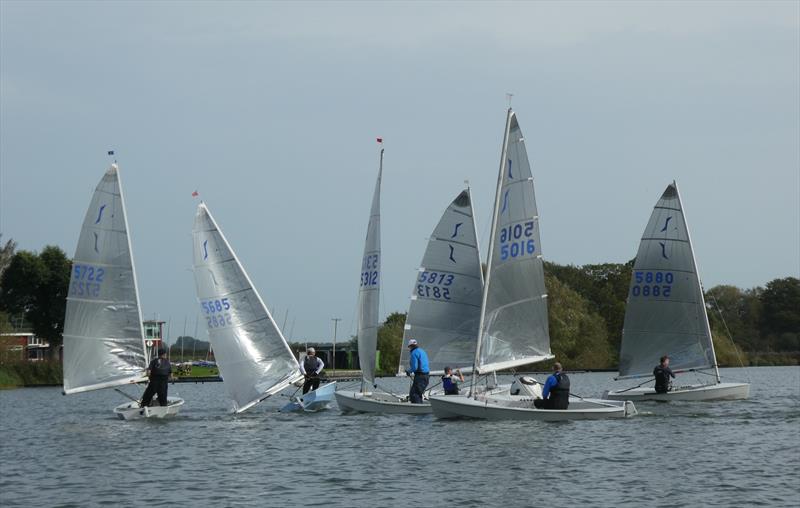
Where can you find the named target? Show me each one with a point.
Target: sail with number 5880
(253, 357)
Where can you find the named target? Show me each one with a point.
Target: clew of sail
(665, 312)
(252, 355)
(514, 328)
(446, 301)
(369, 287)
(103, 336)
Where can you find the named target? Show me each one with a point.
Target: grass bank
(14, 375)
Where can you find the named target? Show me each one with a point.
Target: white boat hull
(720, 391)
(315, 400)
(379, 403)
(133, 411)
(521, 408)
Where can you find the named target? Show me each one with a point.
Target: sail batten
(103, 336)
(253, 357)
(446, 297)
(665, 313)
(514, 328)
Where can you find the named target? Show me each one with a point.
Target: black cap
(161, 351)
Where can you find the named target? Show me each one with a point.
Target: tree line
(586, 309)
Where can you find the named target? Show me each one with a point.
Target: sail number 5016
(516, 241)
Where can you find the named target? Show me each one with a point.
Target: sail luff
(490, 253)
(700, 288)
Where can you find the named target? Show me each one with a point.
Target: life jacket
(450, 387)
(559, 394)
(160, 367)
(310, 365)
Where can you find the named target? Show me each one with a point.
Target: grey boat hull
(719, 391)
(511, 408)
(359, 402)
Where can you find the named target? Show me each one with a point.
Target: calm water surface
(72, 451)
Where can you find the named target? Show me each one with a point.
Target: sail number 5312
(369, 271)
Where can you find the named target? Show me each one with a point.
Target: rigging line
(730, 337)
(637, 386)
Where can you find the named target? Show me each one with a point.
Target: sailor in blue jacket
(555, 393)
(418, 360)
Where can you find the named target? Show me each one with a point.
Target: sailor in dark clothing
(450, 381)
(311, 366)
(663, 373)
(555, 394)
(159, 372)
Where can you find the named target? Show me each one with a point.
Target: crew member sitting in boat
(450, 381)
(418, 360)
(663, 373)
(159, 372)
(555, 394)
(311, 366)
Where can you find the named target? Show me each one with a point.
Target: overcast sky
(271, 110)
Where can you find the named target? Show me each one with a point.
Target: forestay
(103, 337)
(665, 313)
(369, 287)
(252, 355)
(514, 328)
(446, 301)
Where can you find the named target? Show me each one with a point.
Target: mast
(490, 254)
(133, 265)
(700, 284)
(475, 227)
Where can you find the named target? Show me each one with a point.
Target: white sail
(253, 357)
(103, 336)
(665, 312)
(514, 329)
(445, 304)
(369, 287)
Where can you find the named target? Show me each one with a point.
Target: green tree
(740, 311)
(6, 253)
(390, 340)
(35, 286)
(780, 319)
(578, 335)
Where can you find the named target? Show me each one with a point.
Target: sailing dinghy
(666, 312)
(253, 357)
(104, 345)
(513, 328)
(444, 310)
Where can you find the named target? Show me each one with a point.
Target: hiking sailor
(662, 373)
(159, 372)
(311, 366)
(418, 365)
(555, 394)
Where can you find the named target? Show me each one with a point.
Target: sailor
(311, 366)
(662, 373)
(450, 381)
(555, 393)
(418, 365)
(159, 372)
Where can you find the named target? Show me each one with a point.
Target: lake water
(72, 451)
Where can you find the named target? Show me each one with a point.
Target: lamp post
(335, 323)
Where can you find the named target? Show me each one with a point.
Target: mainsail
(446, 302)
(369, 287)
(103, 336)
(514, 329)
(666, 312)
(253, 357)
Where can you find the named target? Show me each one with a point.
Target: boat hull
(315, 400)
(358, 402)
(133, 411)
(488, 408)
(720, 391)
